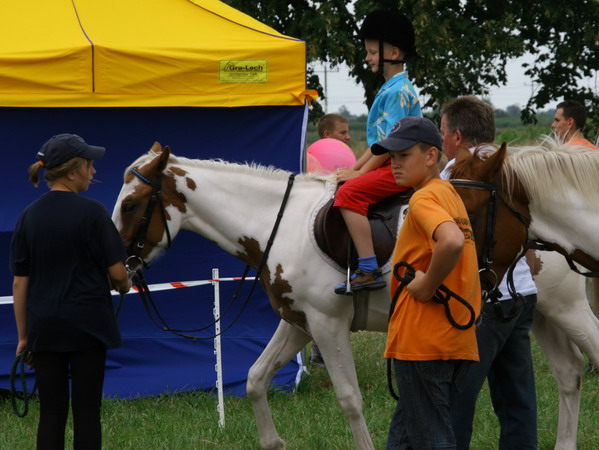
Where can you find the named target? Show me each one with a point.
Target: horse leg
(284, 345)
(562, 299)
(567, 364)
(333, 339)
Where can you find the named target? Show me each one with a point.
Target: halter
(137, 244)
(489, 242)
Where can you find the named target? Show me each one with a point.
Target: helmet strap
(382, 60)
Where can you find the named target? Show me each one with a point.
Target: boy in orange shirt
(429, 354)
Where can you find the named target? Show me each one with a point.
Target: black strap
(158, 319)
(537, 245)
(19, 365)
(442, 296)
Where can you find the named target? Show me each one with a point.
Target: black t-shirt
(64, 243)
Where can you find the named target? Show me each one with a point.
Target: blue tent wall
(152, 361)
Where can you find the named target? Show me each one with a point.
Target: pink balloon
(313, 165)
(331, 154)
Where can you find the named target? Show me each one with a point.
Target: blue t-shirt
(395, 100)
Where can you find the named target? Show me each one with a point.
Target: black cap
(63, 147)
(392, 26)
(408, 132)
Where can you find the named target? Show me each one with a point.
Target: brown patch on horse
(278, 291)
(182, 173)
(171, 196)
(534, 262)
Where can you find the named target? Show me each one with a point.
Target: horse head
(147, 209)
(497, 207)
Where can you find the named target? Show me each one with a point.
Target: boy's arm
(446, 254)
(366, 163)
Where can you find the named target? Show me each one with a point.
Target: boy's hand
(420, 289)
(346, 174)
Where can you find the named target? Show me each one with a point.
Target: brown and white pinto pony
(555, 188)
(236, 206)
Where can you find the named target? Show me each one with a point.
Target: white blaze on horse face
(571, 224)
(126, 189)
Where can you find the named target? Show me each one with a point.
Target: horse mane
(553, 169)
(267, 172)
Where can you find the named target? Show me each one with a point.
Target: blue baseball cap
(63, 147)
(408, 132)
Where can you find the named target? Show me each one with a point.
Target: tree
(463, 44)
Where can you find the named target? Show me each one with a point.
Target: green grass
(308, 419)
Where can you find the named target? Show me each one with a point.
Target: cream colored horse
(555, 187)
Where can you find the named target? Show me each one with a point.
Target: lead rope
(442, 296)
(19, 364)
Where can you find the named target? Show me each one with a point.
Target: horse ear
(494, 163)
(463, 155)
(164, 156)
(156, 148)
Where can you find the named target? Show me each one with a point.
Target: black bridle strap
(150, 305)
(442, 296)
(536, 245)
(139, 242)
(457, 182)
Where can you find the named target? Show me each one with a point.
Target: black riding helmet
(390, 25)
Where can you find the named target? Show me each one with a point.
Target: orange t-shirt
(421, 331)
(582, 142)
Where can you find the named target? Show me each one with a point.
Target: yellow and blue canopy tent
(124, 53)
(197, 75)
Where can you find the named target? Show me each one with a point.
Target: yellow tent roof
(110, 53)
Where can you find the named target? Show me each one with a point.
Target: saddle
(333, 239)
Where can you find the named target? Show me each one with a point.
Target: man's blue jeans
(427, 390)
(506, 360)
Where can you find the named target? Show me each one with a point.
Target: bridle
(486, 259)
(135, 262)
(137, 244)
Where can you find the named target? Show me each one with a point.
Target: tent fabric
(113, 53)
(152, 361)
(198, 76)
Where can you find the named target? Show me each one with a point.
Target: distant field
(509, 129)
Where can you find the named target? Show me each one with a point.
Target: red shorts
(359, 193)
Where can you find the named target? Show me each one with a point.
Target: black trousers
(86, 372)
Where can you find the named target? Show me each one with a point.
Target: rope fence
(215, 282)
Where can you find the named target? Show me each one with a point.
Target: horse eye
(128, 207)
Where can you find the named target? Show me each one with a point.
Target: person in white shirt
(504, 332)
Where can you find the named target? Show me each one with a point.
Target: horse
(297, 279)
(235, 205)
(536, 190)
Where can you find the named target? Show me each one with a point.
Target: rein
(536, 245)
(140, 282)
(442, 296)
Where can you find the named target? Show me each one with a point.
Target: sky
(342, 90)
